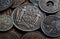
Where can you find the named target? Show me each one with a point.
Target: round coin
(33, 35)
(27, 17)
(35, 2)
(16, 3)
(8, 35)
(51, 26)
(49, 6)
(6, 23)
(4, 4)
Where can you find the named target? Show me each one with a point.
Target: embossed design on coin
(6, 22)
(49, 6)
(51, 26)
(27, 17)
(4, 4)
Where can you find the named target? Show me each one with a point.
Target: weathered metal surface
(49, 6)
(33, 35)
(51, 26)
(6, 22)
(4, 4)
(27, 17)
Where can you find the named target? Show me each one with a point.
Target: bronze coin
(51, 26)
(6, 22)
(4, 4)
(49, 6)
(33, 35)
(27, 17)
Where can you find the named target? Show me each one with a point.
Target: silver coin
(51, 26)
(8, 35)
(16, 3)
(27, 17)
(33, 35)
(49, 6)
(4, 4)
(6, 22)
(35, 2)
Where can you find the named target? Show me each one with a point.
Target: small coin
(35, 2)
(49, 6)
(27, 17)
(51, 26)
(8, 35)
(6, 22)
(16, 3)
(4, 4)
(33, 35)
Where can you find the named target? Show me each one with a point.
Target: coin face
(35, 2)
(33, 35)
(49, 6)
(51, 26)
(8, 35)
(16, 3)
(6, 22)
(4, 4)
(27, 17)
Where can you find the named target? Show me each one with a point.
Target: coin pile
(29, 16)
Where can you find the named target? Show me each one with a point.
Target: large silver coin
(49, 6)
(27, 17)
(51, 26)
(9, 35)
(16, 3)
(33, 35)
(4, 4)
(35, 2)
(6, 23)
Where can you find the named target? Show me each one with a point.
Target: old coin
(4, 4)
(8, 35)
(51, 26)
(27, 17)
(49, 6)
(33, 35)
(16, 3)
(35, 2)
(6, 22)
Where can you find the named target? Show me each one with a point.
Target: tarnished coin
(33, 35)
(35, 2)
(6, 22)
(16, 3)
(4, 4)
(51, 26)
(27, 17)
(9, 35)
(49, 6)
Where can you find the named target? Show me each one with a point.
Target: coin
(16, 3)
(51, 26)
(8, 35)
(33, 35)
(4, 4)
(27, 17)
(35, 2)
(6, 22)
(49, 6)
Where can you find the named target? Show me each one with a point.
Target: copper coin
(33, 35)
(51, 26)
(49, 6)
(4, 4)
(6, 22)
(8, 35)
(16, 3)
(27, 17)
